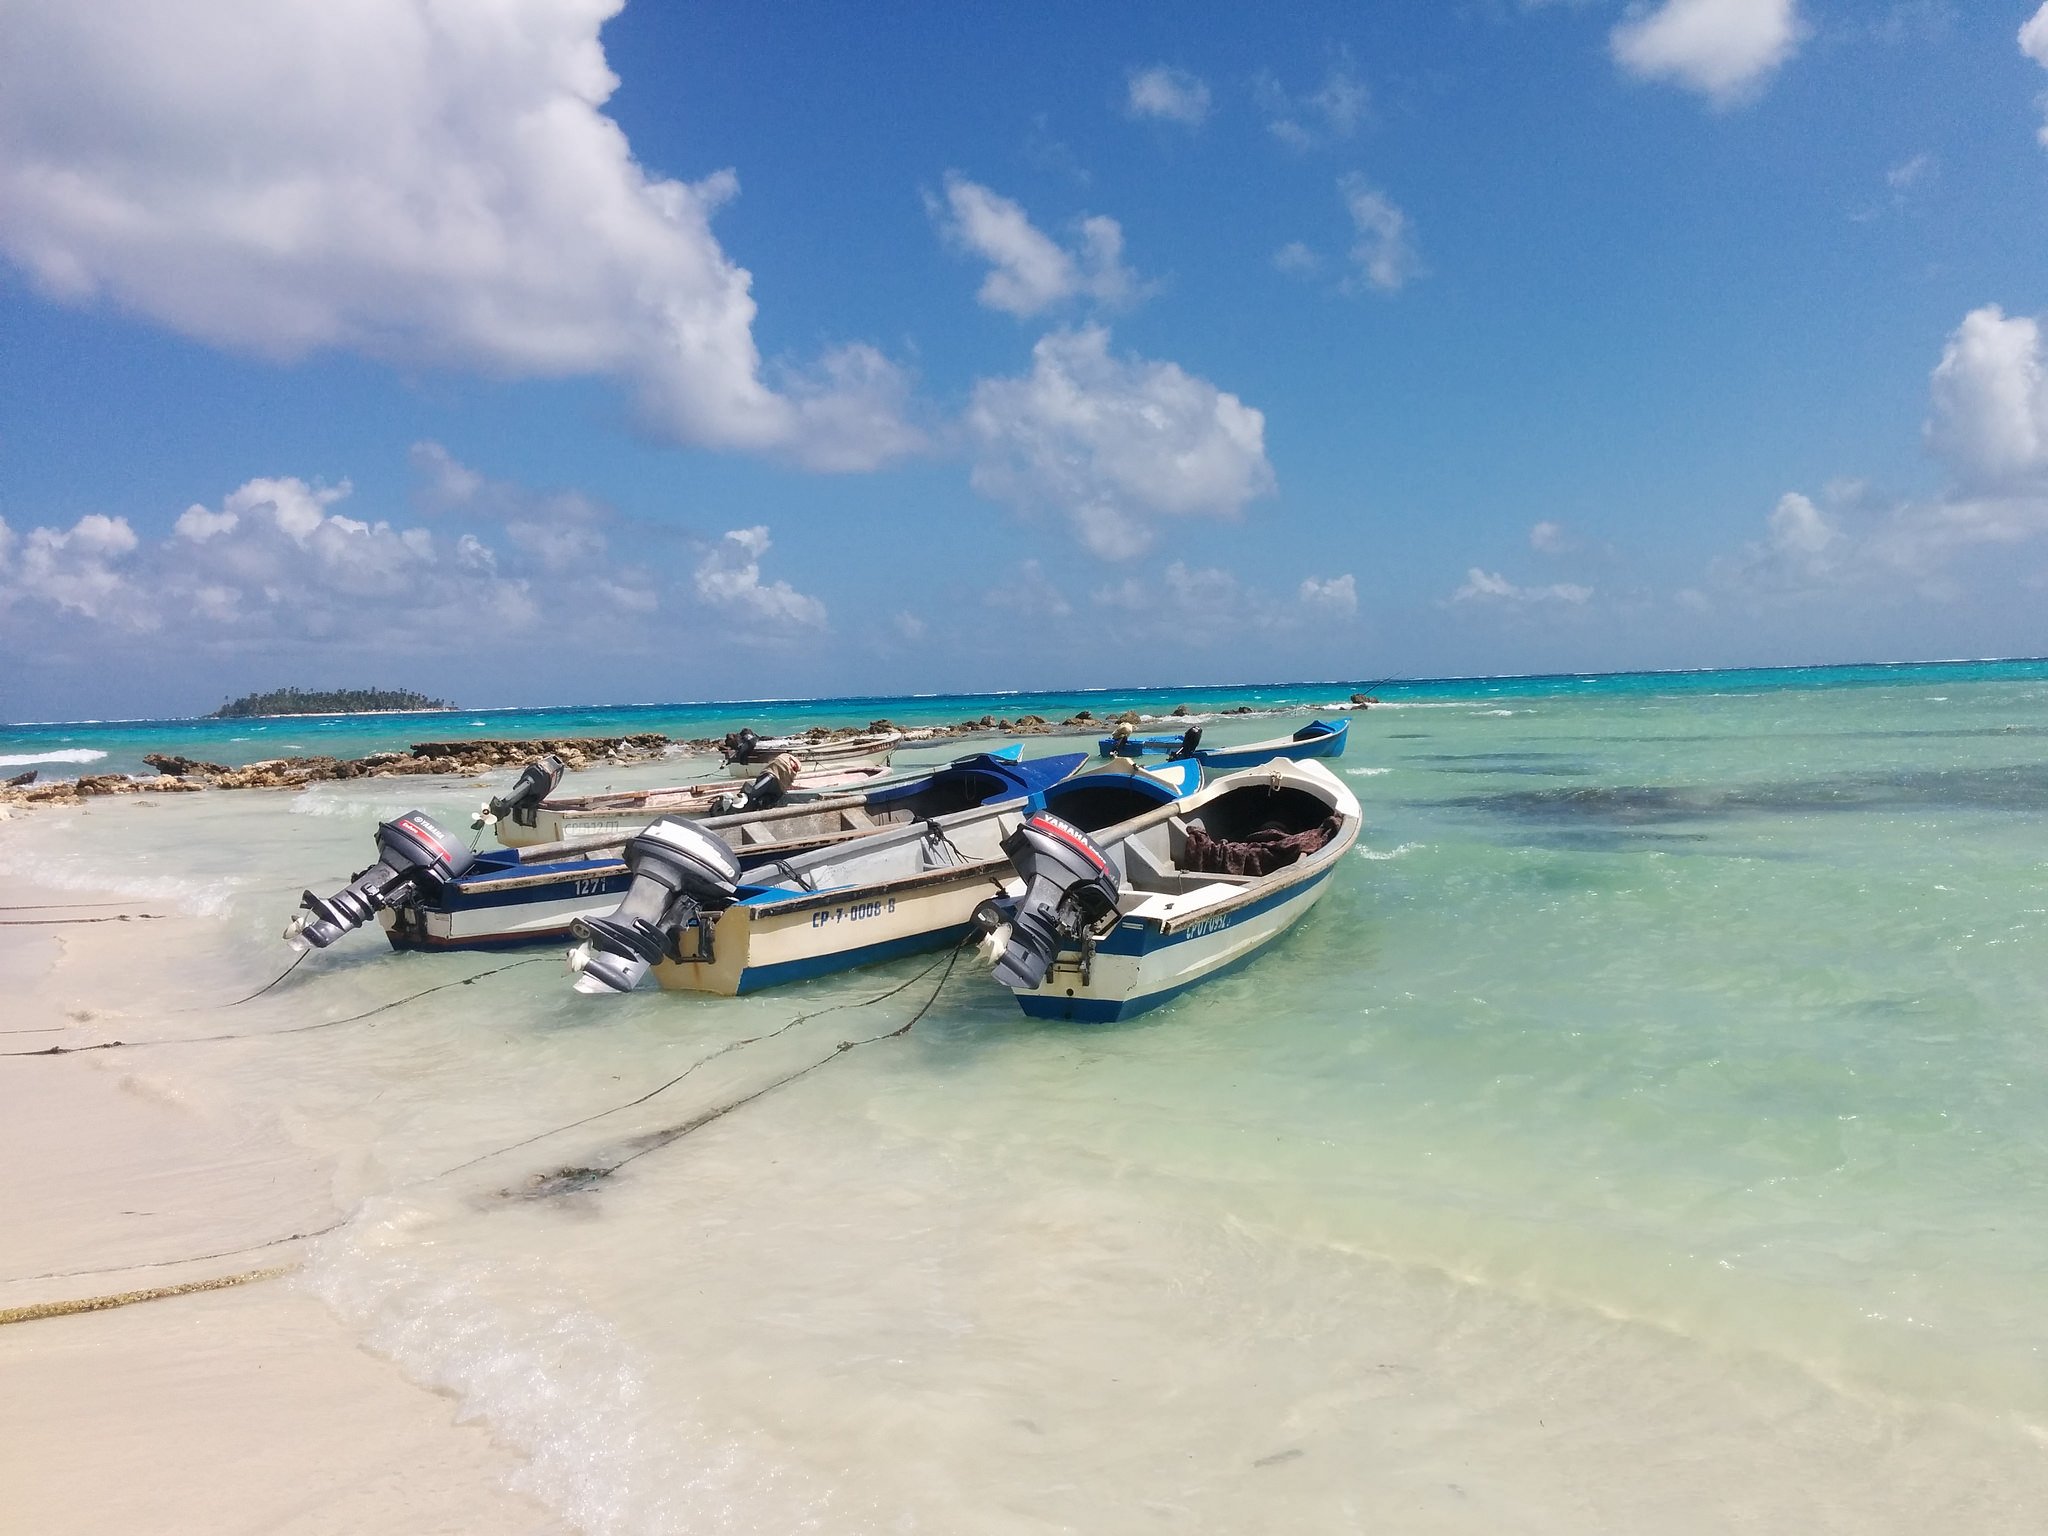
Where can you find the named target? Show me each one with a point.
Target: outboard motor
(536, 781)
(412, 851)
(1070, 885)
(677, 868)
(765, 789)
(1190, 739)
(739, 745)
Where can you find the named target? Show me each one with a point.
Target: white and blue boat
(1319, 738)
(1114, 923)
(440, 895)
(703, 924)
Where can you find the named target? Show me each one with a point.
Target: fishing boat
(440, 895)
(744, 753)
(1318, 738)
(530, 814)
(703, 924)
(1118, 921)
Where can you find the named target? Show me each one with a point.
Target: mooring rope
(295, 1029)
(302, 957)
(68, 1308)
(566, 1179)
(557, 1182)
(57, 906)
(727, 1048)
(59, 922)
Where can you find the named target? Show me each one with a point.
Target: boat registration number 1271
(852, 912)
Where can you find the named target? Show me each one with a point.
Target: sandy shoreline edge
(250, 1408)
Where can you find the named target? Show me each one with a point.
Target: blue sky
(528, 352)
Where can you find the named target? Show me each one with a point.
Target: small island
(337, 701)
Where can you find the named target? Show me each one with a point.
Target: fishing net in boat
(1260, 852)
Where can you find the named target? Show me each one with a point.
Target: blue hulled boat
(1318, 738)
(429, 892)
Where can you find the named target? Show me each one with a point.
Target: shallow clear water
(1649, 1130)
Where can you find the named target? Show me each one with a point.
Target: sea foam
(70, 755)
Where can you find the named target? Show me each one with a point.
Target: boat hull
(1140, 965)
(627, 815)
(758, 944)
(1178, 926)
(1327, 741)
(506, 915)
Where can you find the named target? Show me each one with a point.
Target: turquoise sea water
(116, 746)
(1649, 1131)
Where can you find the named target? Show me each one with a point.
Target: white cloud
(1214, 606)
(279, 564)
(1026, 589)
(1724, 49)
(1336, 594)
(1987, 425)
(1491, 587)
(1296, 259)
(445, 481)
(1168, 94)
(1030, 272)
(1990, 402)
(908, 627)
(1911, 172)
(2034, 37)
(429, 182)
(1799, 528)
(1384, 253)
(77, 570)
(1114, 443)
(729, 578)
(1331, 112)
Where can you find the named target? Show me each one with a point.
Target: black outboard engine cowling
(1070, 885)
(759, 795)
(678, 868)
(739, 746)
(1189, 741)
(413, 851)
(536, 781)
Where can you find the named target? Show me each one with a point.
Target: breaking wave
(198, 897)
(69, 755)
(554, 1382)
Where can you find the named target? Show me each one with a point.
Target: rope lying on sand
(56, 906)
(568, 1180)
(58, 922)
(561, 1181)
(729, 1046)
(43, 1309)
(295, 1029)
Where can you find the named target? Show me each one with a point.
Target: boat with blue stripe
(1120, 922)
(506, 898)
(1319, 738)
(904, 890)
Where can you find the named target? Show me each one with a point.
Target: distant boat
(1316, 739)
(440, 895)
(702, 924)
(1117, 922)
(745, 753)
(530, 813)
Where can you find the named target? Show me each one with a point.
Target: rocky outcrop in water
(177, 774)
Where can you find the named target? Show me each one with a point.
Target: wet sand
(243, 1409)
